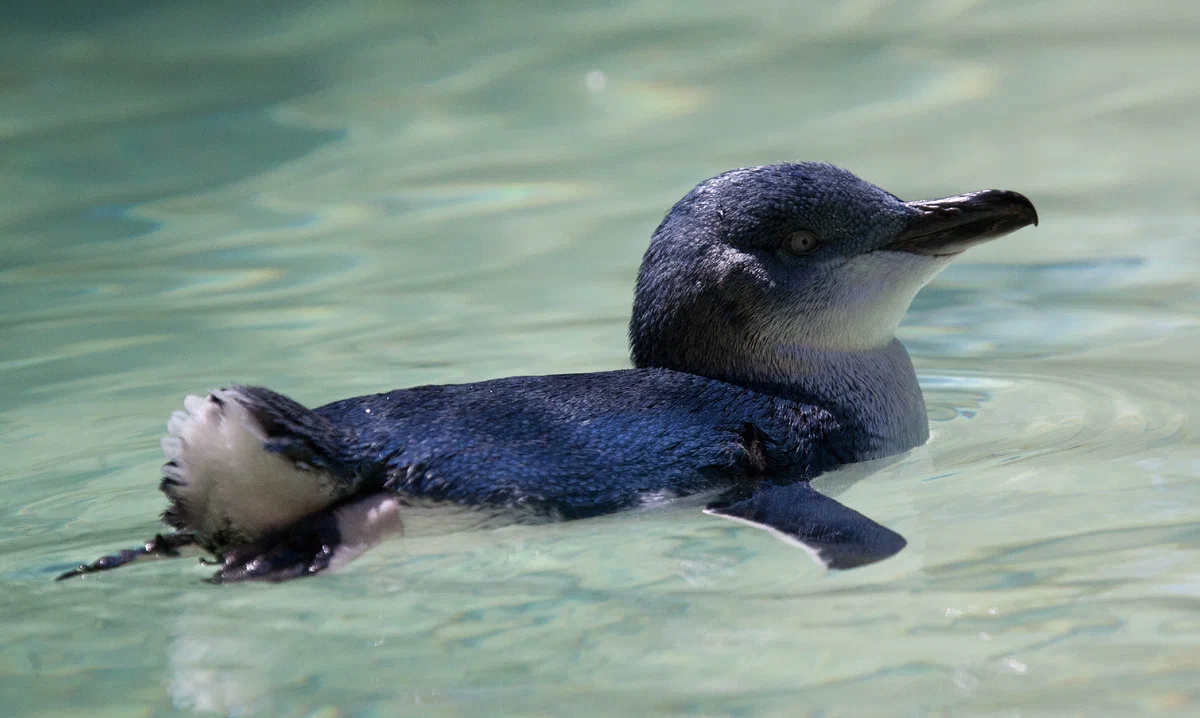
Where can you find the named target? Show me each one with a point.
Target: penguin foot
(158, 547)
(303, 549)
(329, 538)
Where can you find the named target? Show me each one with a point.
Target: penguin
(764, 355)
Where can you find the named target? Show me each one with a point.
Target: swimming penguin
(763, 341)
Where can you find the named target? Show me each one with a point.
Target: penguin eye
(803, 242)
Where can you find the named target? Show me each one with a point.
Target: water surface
(345, 197)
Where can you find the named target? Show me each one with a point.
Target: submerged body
(737, 391)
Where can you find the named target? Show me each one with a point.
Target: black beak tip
(1018, 201)
(952, 224)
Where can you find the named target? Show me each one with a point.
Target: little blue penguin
(764, 352)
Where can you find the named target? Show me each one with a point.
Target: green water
(334, 198)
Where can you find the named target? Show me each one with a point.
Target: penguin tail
(245, 461)
(267, 485)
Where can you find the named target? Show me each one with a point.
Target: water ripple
(346, 197)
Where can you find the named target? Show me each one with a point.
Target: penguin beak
(943, 227)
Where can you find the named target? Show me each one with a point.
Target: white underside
(364, 523)
(228, 478)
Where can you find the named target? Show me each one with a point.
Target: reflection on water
(338, 198)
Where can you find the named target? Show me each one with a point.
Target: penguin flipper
(835, 535)
(158, 547)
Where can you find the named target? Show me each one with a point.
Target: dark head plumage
(764, 260)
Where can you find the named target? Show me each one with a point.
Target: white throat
(862, 306)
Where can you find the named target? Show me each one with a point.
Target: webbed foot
(302, 549)
(158, 547)
(326, 539)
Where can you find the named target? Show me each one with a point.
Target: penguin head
(796, 256)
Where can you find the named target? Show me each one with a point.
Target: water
(339, 198)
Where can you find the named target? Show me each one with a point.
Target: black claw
(159, 547)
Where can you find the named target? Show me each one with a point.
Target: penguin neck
(873, 392)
